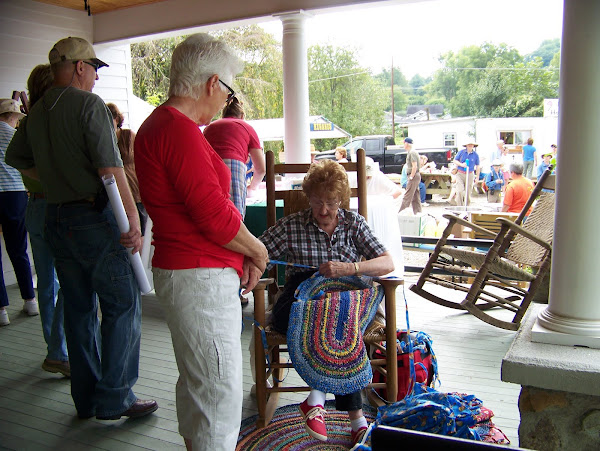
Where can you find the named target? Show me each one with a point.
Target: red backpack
(424, 358)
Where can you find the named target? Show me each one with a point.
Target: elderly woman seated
(335, 241)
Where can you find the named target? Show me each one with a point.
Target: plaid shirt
(298, 239)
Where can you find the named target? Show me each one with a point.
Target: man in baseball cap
(74, 49)
(69, 143)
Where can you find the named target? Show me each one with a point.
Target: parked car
(391, 157)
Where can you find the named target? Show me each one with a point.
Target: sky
(416, 34)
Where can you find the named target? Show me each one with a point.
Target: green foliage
(344, 92)
(545, 51)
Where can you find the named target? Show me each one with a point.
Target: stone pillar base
(557, 420)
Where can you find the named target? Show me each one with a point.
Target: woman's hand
(250, 276)
(337, 269)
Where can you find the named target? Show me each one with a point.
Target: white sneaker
(31, 307)
(424, 204)
(4, 321)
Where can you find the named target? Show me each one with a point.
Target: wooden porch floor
(36, 410)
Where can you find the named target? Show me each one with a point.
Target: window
(449, 139)
(517, 137)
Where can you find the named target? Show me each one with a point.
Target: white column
(573, 313)
(295, 88)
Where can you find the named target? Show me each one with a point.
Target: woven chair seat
(498, 266)
(274, 337)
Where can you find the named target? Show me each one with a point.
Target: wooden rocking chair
(269, 345)
(521, 253)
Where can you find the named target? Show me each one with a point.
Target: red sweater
(184, 186)
(232, 138)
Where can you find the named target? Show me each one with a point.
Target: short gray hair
(517, 168)
(197, 59)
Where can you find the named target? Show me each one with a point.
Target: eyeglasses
(231, 94)
(330, 204)
(94, 65)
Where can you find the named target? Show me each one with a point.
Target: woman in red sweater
(203, 251)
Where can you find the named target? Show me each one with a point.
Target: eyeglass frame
(231, 94)
(330, 205)
(94, 65)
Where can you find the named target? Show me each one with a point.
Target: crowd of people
(193, 184)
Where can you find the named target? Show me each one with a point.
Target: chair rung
(378, 362)
(287, 389)
(282, 365)
(377, 385)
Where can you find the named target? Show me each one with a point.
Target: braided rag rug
(325, 332)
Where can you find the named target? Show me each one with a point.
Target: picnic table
(437, 182)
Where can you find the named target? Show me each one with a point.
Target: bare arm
(31, 173)
(258, 161)
(505, 207)
(133, 238)
(377, 266)
(247, 244)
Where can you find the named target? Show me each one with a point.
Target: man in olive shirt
(68, 143)
(413, 164)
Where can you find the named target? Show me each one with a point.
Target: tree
(344, 92)
(462, 70)
(400, 88)
(545, 51)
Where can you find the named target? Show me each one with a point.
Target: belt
(37, 195)
(87, 200)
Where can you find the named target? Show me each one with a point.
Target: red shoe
(358, 435)
(314, 421)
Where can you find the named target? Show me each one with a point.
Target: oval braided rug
(286, 431)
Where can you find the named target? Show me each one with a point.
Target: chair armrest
(263, 283)
(474, 227)
(521, 231)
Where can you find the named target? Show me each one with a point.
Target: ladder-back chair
(268, 344)
(521, 253)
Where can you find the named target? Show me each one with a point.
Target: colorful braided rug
(286, 431)
(325, 332)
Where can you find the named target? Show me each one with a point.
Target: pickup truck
(391, 157)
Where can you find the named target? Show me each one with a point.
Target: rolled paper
(110, 183)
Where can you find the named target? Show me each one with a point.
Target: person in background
(506, 159)
(518, 190)
(313, 153)
(341, 155)
(203, 250)
(529, 158)
(554, 153)
(462, 190)
(494, 181)
(13, 204)
(546, 158)
(378, 183)
(412, 196)
(453, 172)
(50, 297)
(125, 140)
(422, 187)
(497, 152)
(234, 140)
(69, 144)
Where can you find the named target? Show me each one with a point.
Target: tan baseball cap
(74, 49)
(10, 106)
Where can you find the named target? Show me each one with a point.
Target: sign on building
(550, 107)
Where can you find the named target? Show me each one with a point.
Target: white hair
(197, 59)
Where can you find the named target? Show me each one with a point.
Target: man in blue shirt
(467, 154)
(494, 182)
(529, 158)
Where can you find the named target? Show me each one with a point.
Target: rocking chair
(520, 255)
(268, 344)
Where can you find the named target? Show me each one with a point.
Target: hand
(262, 259)
(132, 239)
(336, 269)
(250, 276)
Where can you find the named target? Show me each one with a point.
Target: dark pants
(281, 316)
(412, 196)
(12, 217)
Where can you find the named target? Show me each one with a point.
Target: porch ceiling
(99, 6)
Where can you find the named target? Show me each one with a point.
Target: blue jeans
(92, 266)
(50, 299)
(12, 219)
